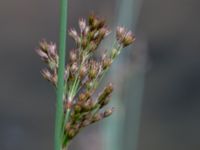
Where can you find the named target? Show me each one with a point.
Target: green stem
(65, 141)
(61, 68)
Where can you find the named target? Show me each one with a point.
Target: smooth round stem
(61, 69)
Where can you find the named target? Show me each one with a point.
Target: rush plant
(81, 105)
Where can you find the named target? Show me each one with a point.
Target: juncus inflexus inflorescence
(83, 74)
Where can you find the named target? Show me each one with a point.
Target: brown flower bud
(82, 24)
(85, 33)
(120, 33)
(71, 76)
(106, 63)
(83, 71)
(77, 108)
(85, 123)
(101, 23)
(66, 73)
(91, 19)
(125, 38)
(82, 97)
(71, 133)
(95, 22)
(108, 112)
(43, 46)
(84, 42)
(74, 35)
(54, 79)
(92, 46)
(96, 35)
(105, 102)
(89, 84)
(87, 95)
(96, 117)
(68, 126)
(72, 56)
(74, 67)
(86, 106)
(47, 51)
(46, 74)
(72, 114)
(109, 88)
(77, 126)
(128, 39)
(106, 92)
(92, 104)
(103, 32)
(92, 73)
(52, 50)
(92, 35)
(42, 54)
(87, 116)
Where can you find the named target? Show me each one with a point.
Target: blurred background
(157, 80)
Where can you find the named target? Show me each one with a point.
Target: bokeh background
(157, 79)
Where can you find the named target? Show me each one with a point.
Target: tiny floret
(124, 37)
(82, 25)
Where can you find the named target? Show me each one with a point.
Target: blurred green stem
(61, 69)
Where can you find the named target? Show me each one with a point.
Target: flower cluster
(83, 73)
(48, 53)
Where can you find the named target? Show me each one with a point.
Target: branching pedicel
(83, 74)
